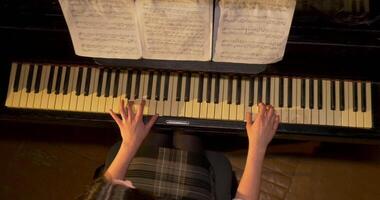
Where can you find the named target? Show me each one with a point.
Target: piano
(325, 88)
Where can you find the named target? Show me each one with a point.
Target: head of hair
(105, 190)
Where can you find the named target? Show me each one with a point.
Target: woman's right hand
(261, 131)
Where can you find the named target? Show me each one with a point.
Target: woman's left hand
(132, 127)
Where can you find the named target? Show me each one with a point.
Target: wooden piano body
(319, 51)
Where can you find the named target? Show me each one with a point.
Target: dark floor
(58, 162)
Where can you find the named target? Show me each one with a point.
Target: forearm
(119, 166)
(249, 186)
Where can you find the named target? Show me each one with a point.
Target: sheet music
(103, 28)
(176, 29)
(253, 31)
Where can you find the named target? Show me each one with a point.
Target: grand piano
(325, 88)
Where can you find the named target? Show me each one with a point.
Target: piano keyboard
(191, 95)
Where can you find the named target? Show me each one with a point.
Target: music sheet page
(253, 31)
(103, 28)
(176, 29)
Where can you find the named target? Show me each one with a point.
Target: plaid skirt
(172, 174)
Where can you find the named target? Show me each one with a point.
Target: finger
(140, 109)
(151, 122)
(276, 122)
(270, 111)
(262, 109)
(122, 110)
(130, 111)
(115, 117)
(248, 118)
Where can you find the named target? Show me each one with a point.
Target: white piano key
(10, 93)
(67, 96)
(315, 110)
(338, 112)
(285, 110)
(351, 113)
(152, 101)
(359, 113)
(203, 107)
(52, 95)
(196, 104)
(192, 100)
(241, 107)
(73, 96)
(211, 105)
(181, 103)
(102, 98)
(219, 105)
(81, 97)
(245, 94)
(17, 95)
(272, 90)
(160, 102)
(145, 76)
(91, 90)
(174, 105)
(293, 109)
(323, 111)
(95, 98)
(345, 112)
(109, 99)
(329, 112)
(225, 105)
(255, 108)
(59, 96)
(167, 104)
(299, 110)
(233, 106)
(307, 111)
(31, 95)
(38, 95)
(368, 113)
(24, 95)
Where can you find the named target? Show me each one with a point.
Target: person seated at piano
(183, 172)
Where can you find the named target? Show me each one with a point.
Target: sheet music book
(128, 29)
(253, 31)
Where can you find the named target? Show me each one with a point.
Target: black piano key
(129, 85)
(229, 90)
(281, 93)
(17, 78)
(88, 82)
(200, 88)
(341, 96)
(66, 81)
(303, 93)
(58, 82)
(238, 90)
(320, 95)
(332, 94)
(116, 84)
(311, 94)
(260, 90)
(100, 83)
(38, 79)
(150, 85)
(79, 81)
(355, 96)
(179, 87)
(30, 79)
(290, 92)
(267, 93)
(158, 87)
(137, 88)
(209, 84)
(50, 79)
(108, 83)
(166, 88)
(217, 84)
(251, 91)
(364, 97)
(187, 87)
